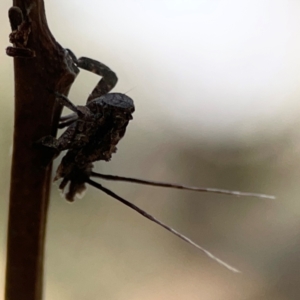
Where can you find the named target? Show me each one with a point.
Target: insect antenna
(151, 218)
(129, 90)
(178, 186)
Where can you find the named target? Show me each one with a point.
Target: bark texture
(41, 65)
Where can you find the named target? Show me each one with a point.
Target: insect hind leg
(108, 81)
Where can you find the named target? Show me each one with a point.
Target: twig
(39, 63)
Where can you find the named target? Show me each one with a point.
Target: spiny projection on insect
(92, 133)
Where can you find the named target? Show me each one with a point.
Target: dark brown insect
(92, 133)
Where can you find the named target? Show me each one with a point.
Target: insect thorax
(96, 134)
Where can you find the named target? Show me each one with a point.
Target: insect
(92, 133)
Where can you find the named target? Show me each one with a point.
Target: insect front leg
(108, 81)
(71, 118)
(63, 100)
(67, 120)
(80, 111)
(64, 142)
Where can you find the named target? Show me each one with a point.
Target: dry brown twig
(38, 61)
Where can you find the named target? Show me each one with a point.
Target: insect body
(93, 133)
(93, 130)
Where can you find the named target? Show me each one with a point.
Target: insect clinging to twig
(92, 133)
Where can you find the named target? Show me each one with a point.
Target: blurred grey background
(216, 89)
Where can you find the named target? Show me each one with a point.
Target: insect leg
(64, 142)
(63, 100)
(67, 120)
(67, 117)
(108, 81)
